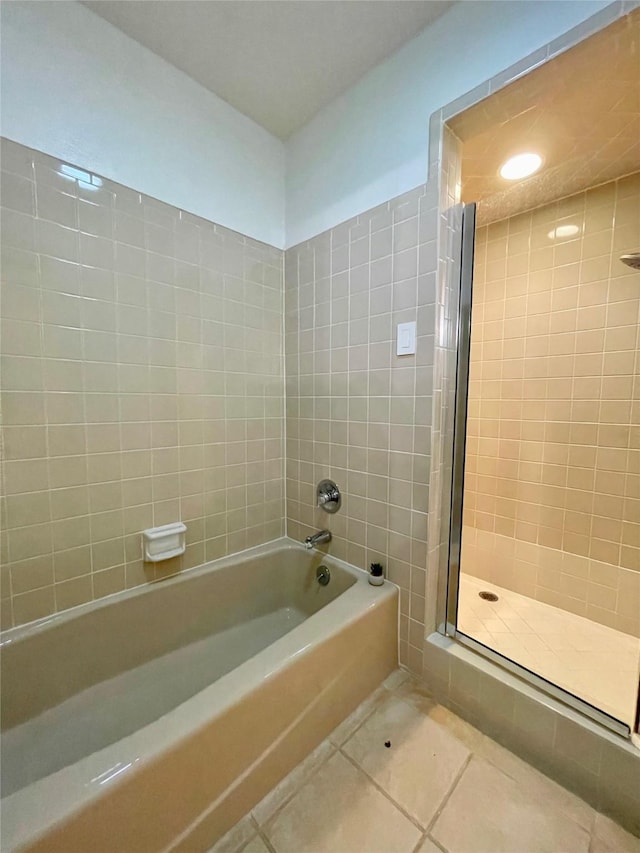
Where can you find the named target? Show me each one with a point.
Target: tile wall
(603, 593)
(142, 373)
(553, 446)
(357, 412)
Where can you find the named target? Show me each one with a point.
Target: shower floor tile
(592, 661)
(404, 775)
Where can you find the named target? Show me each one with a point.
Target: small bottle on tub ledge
(376, 574)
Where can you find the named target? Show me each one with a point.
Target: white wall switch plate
(406, 339)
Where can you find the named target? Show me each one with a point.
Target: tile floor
(568, 650)
(440, 785)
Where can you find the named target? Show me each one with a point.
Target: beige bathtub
(155, 719)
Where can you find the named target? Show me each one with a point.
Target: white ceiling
(277, 61)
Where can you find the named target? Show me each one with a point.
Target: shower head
(631, 259)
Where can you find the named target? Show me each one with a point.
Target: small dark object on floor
(387, 743)
(488, 596)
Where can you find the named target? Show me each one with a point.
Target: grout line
(370, 712)
(437, 843)
(420, 842)
(447, 796)
(266, 842)
(334, 748)
(243, 844)
(591, 830)
(426, 837)
(290, 797)
(386, 794)
(259, 834)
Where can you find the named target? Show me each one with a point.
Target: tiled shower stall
(551, 494)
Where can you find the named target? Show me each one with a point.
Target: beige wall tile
(105, 355)
(577, 373)
(370, 426)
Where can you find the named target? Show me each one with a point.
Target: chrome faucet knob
(328, 496)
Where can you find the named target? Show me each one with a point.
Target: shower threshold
(589, 660)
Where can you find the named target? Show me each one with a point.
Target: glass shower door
(518, 585)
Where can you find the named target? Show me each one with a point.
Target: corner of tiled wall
(357, 412)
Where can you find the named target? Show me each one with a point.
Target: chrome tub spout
(317, 539)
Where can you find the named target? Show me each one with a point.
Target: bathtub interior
(109, 670)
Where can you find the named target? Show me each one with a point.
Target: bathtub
(154, 719)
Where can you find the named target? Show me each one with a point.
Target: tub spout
(317, 539)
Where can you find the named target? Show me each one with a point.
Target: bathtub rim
(36, 626)
(29, 813)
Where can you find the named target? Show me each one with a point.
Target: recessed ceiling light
(520, 166)
(563, 232)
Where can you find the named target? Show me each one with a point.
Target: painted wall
(371, 144)
(78, 89)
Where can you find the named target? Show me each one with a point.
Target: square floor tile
(489, 812)
(540, 789)
(339, 810)
(419, 767)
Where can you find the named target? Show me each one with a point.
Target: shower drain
(488, 596)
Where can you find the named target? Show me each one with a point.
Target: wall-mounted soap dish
(162, 543)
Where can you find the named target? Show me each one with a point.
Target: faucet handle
(328, 496)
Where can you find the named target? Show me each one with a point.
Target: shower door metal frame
(448, 624)
(467, 250)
